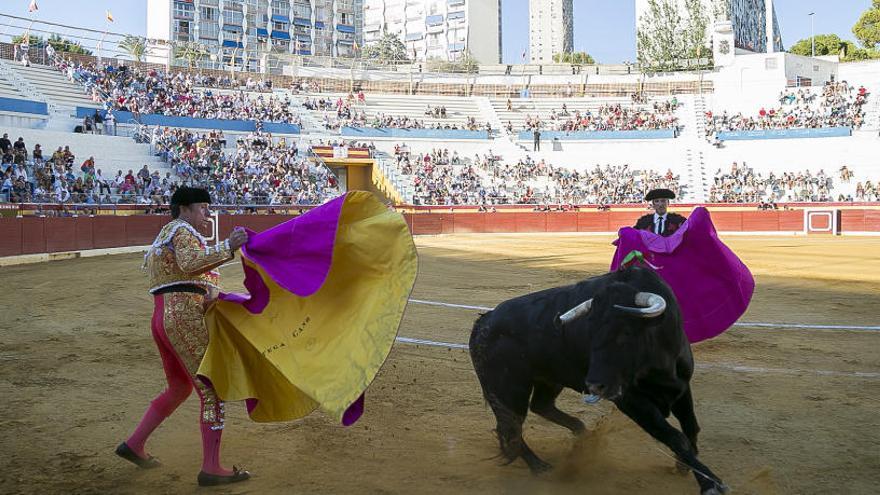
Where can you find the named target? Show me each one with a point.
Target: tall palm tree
(192, 52)
(136, 46)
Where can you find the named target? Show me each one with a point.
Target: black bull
(525, 354)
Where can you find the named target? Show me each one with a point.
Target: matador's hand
(237, 238)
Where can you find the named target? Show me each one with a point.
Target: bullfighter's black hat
(659, 194)
(186, 196)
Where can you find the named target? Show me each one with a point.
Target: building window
(302, 10)
(184, 10)
(208, 13)
(281, 8)
(181, 27)
(232, 17)
(208, 30)
(279, 26)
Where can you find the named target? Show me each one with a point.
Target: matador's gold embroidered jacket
(181, 255)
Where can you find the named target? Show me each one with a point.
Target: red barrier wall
(10, 236)
(31, 234)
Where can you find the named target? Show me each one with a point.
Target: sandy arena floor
(78, 367)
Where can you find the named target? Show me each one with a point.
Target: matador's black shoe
(126, 453)
(238, 474)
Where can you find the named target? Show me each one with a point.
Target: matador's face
(660, 205)
(197, 215)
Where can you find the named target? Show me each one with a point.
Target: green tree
(831, 44)
(32, 40)
(466, 63)
(574, 58)
(190, 51)
(867, 28)
(58, 43)
(826, 44)
(136, 46)
(696, 42)
(65, 45)
(388, 49)
(666, 40)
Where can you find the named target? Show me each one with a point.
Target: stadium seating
(413, 107)
(64, 94)
(495, 165)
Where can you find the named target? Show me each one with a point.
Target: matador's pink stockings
(180, 385)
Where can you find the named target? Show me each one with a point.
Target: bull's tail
(478, 342)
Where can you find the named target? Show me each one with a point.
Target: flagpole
(100, 46)
(107, 20)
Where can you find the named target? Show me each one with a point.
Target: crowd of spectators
(868, 191)
(260, 170)
(743, 185)
(837, 105)
(181, 94)
(350, 111)
(32, 176)
(659, 115)
(444, 178)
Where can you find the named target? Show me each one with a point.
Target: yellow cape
(301, 353)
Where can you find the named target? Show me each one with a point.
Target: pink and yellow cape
(327, 291)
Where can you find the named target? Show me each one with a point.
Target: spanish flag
(109, 16)
(327, 291)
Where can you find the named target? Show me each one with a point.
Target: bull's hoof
(539, 467)
(682, 468)
(720, 489)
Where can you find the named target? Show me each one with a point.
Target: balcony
(455, 16)
(434, 20)
(209, 31)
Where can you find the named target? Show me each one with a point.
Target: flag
(109, 16)
(33, 6)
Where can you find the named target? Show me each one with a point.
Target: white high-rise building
(438, 29)
(243, 31)
(551, 29)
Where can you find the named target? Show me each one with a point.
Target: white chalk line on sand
(742, 324)
(796, 326)
(707, 366)
(718, 366)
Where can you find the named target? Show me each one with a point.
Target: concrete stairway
(62, 95)
(111, 153)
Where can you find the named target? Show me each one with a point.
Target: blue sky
(604, 28)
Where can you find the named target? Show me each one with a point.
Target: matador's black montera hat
(186, 196)
(659, 194)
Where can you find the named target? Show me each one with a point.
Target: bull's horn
(576, 312)
(650, 305)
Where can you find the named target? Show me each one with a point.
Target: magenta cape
(712, 286)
